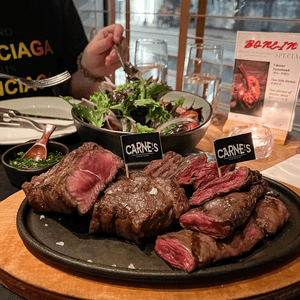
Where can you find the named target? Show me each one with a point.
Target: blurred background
(212, 21)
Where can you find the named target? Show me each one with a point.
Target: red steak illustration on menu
(248, 87)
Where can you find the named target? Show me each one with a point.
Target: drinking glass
(204, 72)
(151, 58)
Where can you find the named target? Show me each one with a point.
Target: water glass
(204, 72)
(151, 58)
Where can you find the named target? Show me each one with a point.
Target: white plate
(46, 106)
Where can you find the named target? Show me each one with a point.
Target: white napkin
(287, 171)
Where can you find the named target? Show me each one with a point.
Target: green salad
(131, 107)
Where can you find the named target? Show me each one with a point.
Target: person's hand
(99, 58)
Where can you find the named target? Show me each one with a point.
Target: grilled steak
(165, 167)
(221, 215)
(190, 250)
(174, 166)
(139, 206)
(209, 172)
(189, 167)
(75, 182)
(232, 181)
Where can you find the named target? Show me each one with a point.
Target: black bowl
(19, 176)
(182, 143)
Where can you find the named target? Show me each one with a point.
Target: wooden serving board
(31, 278)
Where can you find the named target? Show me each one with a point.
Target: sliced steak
(139, 206)
(271, 214)
(175, 248)
(220, 216)
(232, 181)
(209, 172)
(165, 167)
(174, 166)
(190, 250)
(75, 182)
(188, 168)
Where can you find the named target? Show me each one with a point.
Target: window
(214, 21)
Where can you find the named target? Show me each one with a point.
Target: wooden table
(31, 278)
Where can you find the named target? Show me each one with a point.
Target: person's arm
(98, 60)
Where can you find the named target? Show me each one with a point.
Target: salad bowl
(181, 142)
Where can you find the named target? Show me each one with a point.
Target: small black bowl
(19, 176)
(182, 143)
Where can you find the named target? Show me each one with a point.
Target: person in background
(40, 39)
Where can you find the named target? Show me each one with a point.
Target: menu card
(266, 76)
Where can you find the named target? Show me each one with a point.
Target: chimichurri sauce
(29, 163)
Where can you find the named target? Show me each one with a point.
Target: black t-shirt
(38, 39)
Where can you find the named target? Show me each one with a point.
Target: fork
(130, 70)
(8, 118)
(40, 83)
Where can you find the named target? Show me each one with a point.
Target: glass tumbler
(204, 72)
(262, 137)
(151, 58)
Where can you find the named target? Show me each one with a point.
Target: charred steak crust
(75, 182)
(270, 215)
(221, 215)
(139, 206)
(165, 167)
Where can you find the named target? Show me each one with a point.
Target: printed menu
(266, 76)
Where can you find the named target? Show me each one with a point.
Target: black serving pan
(63, 241)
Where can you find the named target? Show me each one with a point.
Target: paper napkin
(287, 171)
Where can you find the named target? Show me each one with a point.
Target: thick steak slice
(165, 167)
(139, 206)
(175, 248)
(221, 215)
(204, 250)
(75, 182)
(232, 181)
(271, 214)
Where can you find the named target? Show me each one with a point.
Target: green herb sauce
(30, 163)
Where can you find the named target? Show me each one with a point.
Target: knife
(6, 110)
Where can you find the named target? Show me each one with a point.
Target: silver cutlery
(40, 83)
(11, 119)
(130, 70)
(20, 114)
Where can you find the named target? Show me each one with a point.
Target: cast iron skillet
(63, 241)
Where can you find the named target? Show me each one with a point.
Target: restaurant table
(21, 273)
